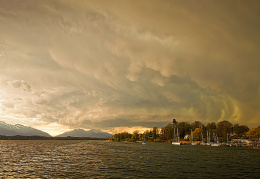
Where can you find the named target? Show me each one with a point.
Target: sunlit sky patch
(130, 65)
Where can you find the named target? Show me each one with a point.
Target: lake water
(100, 159)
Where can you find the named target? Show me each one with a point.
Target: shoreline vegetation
(223, 133)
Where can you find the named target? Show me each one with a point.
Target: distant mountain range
(18, 129)
(82, 133)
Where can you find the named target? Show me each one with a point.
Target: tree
(135, 136)
(184, 128)
(223, 128)
(243, 129)
(196, 124)
(240, 130)
(236, 129)
(123, 136)
(254, 133)
(167, 132)
(211, 126)
(155, 132)
(197, 134)
(204, 131)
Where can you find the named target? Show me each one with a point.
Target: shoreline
(18, 137)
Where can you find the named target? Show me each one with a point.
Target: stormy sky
(125, 65)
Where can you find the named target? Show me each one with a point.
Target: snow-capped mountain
(82, 133)
(18, 129)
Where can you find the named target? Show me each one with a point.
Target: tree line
(223, 129)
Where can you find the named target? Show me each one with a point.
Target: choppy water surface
(100, 159)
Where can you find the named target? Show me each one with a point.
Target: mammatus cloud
(115, 65)
(20, 84)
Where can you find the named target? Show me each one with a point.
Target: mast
(178, 137)
(208, 137)
(174, 123)
(174, 137)
(227, 137)
(191, 136)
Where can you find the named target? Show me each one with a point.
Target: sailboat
(216, 143)
(144, 140)
(228, 144)
(208, 138)
(178, 138)
(202, 141)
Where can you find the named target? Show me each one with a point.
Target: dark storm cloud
(127, 63)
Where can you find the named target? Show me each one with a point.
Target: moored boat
(215, 144)
(144, 140)
(176, 143)
(176, 139)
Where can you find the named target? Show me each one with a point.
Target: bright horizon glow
(53, 129)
